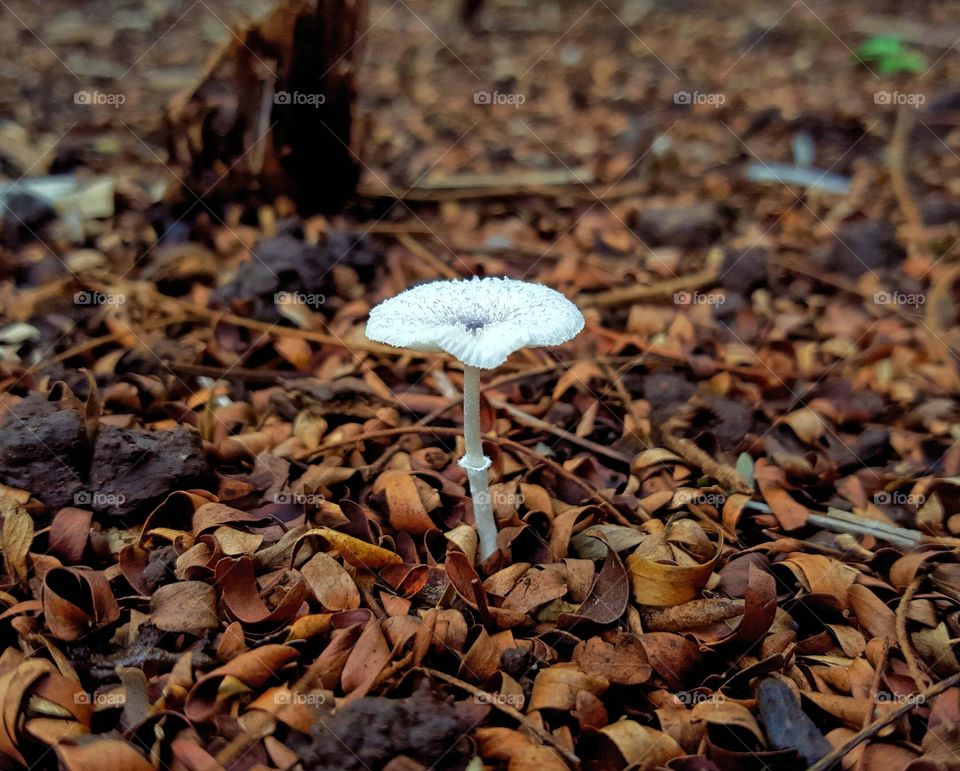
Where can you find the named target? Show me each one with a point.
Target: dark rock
(372, 731)
(744, 270)
(519, 662)
(768, 38)
(728, 421)
(23, 215)
(940, 211)
(134, 470)
(667, 392)
(287, 264)
(160, 568)
(44, 449)
(277, 263)
(686, 227)
(869, 448)
(732, 304)
(855, 407)
(858, 247)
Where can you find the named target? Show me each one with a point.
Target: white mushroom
(480, 322)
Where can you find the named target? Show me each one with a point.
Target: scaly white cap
(480, 321)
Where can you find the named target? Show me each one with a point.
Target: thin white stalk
(476, 463)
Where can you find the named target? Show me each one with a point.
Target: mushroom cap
(480, 321)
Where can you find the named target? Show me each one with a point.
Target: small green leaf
(890, 56)
(880, 47)
(905, 62)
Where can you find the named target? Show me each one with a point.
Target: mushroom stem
(476, 463)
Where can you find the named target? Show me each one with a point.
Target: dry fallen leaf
(185, 606)
(662, 575)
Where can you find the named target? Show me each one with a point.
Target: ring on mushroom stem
(480, 322)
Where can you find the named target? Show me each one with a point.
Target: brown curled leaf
(76, 601)
(671, 656)
(69, 533)
(557, 687)
(408, 500)
(627, 743)
(608, 596)
(406, 580)
(790, 513)
(330, 584)
(16, 539)
(759, 610)
(623, 662)
(242, 599)
(249, 670)
(175, 512)
(365, 662)
(660, 583)
(358, 553)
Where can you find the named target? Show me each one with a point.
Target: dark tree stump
(272, 112)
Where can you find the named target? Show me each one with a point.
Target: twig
(915, 32)
(391, 669)
(303, 334)
(371, 470)
(940, 297)
(875, 685)
(495, 188)
(232, 373)
(726, 475)
(530, 420)
(506, 709)
(689, 615)
(891, 533)
(840, 752)
(428, 257)
(903, 639)
(510, 249)
(519, 180)
(365, 585)
(897, 162)
(848, 522)
(522, 374)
